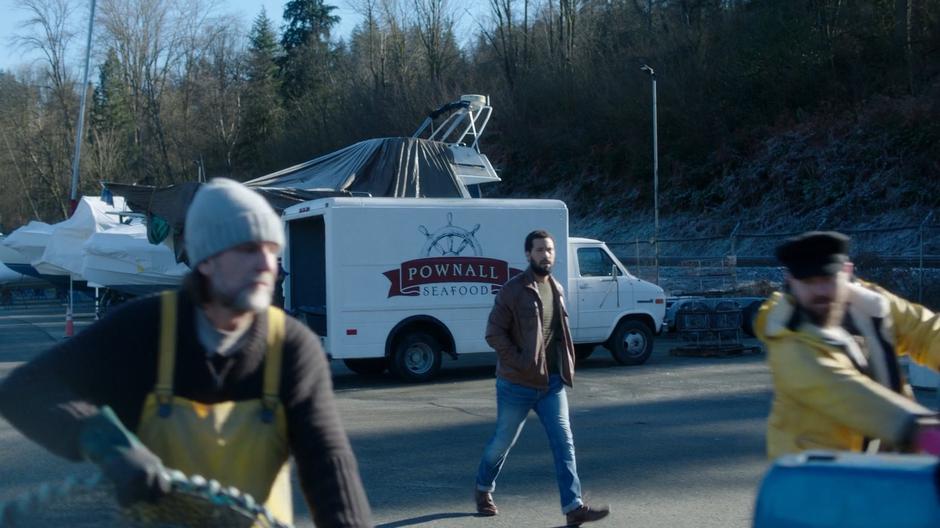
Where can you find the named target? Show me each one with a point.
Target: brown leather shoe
(485, 504)
(586, 514)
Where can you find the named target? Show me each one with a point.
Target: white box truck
(398, 282)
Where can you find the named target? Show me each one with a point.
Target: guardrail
(38, 303)
(878, 253)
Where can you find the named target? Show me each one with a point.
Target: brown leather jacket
(514, 330)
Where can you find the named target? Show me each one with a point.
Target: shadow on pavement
(386, 380)
(347, 381)
(623, 450)
(424, 519)
(483, 366)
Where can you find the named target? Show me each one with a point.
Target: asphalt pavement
(673, 443)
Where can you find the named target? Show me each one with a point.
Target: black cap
(814, 254)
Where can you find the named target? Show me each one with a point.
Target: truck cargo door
(308, 272)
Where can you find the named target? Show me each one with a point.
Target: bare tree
(504, 38)
(434, 22)
(155, 41)
(16, 99)
(375, 39)
(903, 30)
(567, 28)
(48, 31)
(226, 83)
(395, 17)
(34, 141)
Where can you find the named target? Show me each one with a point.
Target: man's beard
(824, 317)
(255, 299)
(540, 269)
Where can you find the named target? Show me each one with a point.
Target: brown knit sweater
(114, 362)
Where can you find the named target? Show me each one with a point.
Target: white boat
(25, 245)
(464, 121)
(121, 258)
(18, 249)
(63, 252)
(95, 241)
(441, 159)
(10, 277)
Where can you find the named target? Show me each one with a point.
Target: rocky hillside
(875, 167)
(878, 166)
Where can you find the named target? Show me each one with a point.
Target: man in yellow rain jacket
(211, 379)
(832, 345)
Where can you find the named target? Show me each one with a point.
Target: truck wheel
(632, 343)
(583, 351)
(369, 367)
(417, 357)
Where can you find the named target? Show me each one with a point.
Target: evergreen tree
(111, 133)
(110, 106)
(306, 20)
(306, 43)
(262, 109)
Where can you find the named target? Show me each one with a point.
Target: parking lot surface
(676, 442)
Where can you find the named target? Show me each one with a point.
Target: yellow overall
(238, 443)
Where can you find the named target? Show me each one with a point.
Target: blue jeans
(513, 403)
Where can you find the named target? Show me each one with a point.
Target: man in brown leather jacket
(528, 328)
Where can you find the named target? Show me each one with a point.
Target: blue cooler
(850, 490)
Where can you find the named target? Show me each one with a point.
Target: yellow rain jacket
(836, 389)
(242, 444)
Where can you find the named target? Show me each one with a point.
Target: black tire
(632, 343)
(583, 351)
(416, 358)
(368, 367)
(747, 317)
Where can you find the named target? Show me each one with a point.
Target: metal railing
(902, 258)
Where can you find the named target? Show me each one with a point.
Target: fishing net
(192, 502)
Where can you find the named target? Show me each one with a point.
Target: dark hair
(534, 235)
(197, 285)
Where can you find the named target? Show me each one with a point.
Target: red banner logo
(408, 279)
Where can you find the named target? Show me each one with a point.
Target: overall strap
(272, 363)
(166, 359)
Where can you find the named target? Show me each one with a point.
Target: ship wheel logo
(451, 241)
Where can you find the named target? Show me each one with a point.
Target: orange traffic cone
(69, 325)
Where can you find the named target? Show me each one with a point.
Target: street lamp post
(76, 159)
(652, 73)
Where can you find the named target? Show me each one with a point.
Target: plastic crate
(828, 489)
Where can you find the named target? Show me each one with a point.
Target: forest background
(774, 115)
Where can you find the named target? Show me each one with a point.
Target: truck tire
(368, 367)
(583, 351)
(631, 343)
(416, 358)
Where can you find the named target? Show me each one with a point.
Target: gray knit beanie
(224, 214)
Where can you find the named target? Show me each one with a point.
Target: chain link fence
(904, 259)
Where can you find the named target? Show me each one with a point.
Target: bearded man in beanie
(210, 380)
(832, 345)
